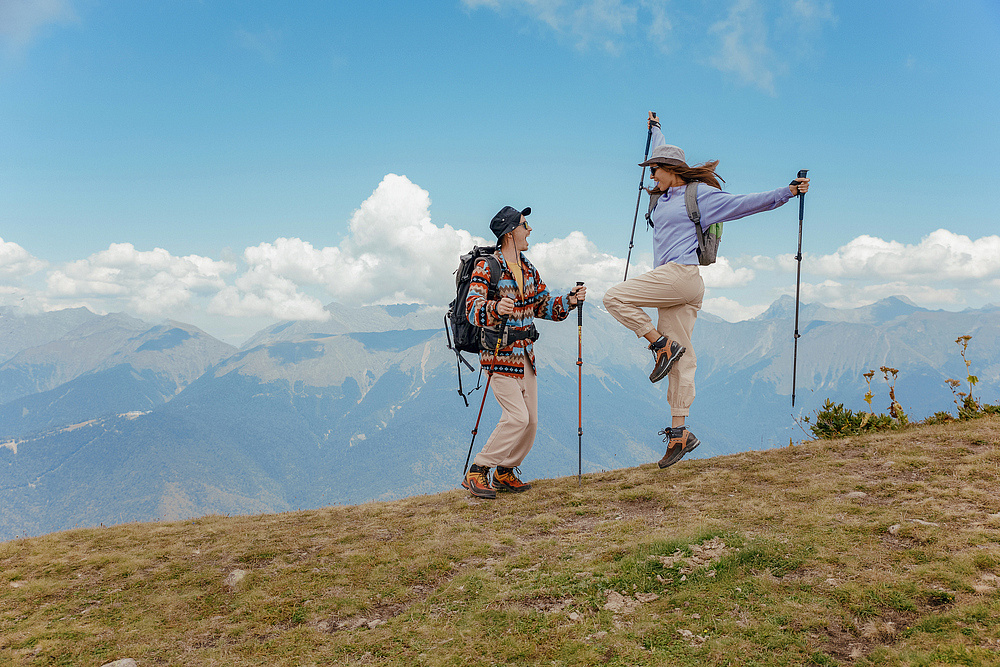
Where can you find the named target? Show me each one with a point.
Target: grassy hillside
(878, 550)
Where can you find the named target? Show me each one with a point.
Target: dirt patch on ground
(546, 604)
(585, 523)
(852, 643)
(630, 509)
(370, 619)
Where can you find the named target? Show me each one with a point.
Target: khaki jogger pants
(676, 291)
(514, 435)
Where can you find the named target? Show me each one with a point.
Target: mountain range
(109, 419)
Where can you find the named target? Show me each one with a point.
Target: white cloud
(394, 254)
(730, 310)
(761, 262)
(752, 39)
(941, 255)
(260, 293)
(21, 19)
(660, 28)
(743, 46)
(607, 23)
(147, 282)
(562, 262)
(838, 295)
(722, 275)
(811, 16)
(16, 261)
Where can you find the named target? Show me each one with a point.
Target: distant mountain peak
(905, 299)
(782, 307)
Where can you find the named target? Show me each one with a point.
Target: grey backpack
(709, 239)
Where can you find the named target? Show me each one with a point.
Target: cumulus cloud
(941, 255)
(15, 261)
(722, 275)
(20, 20)
(731, 310)
(261, 293)
(393, 254)
(147, 282)
(562, 262)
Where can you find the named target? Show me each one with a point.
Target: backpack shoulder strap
(691, 202)
(493, 264)
(653, 198)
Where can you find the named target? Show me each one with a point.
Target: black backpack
(463, 335)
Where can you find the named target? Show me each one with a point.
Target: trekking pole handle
(579, 305)
(802, 174)
(649, 137)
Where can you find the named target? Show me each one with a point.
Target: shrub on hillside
(836, 421)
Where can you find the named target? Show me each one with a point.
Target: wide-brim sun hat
(666, 154)
(507, 219)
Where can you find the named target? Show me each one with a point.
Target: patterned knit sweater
(535, 302)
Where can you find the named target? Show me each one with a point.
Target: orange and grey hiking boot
(665, 353)
(477, 480)
(679, 441)
(506, 480)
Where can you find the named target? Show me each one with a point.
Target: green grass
(881, 549)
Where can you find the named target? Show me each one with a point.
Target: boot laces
(668, 435)
(514, 473)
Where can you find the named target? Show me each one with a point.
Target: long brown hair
(705, 173)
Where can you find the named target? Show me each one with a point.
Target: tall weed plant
(833, 420)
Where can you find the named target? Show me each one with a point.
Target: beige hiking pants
(676, 291)
(514, 435)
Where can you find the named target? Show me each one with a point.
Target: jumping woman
(675, 287)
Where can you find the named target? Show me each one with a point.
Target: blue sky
(231, 164)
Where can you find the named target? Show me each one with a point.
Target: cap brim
(526, 211)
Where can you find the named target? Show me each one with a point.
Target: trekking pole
(579, 365)
(642, 178)
(489, 376)
(798, 277)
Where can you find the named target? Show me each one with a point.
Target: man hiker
(675, 287)
(521, 296)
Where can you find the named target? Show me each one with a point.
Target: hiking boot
(665, 353)
(679, 441)
(506, 480)
(477, 480)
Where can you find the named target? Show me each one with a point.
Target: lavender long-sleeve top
(674, 238)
